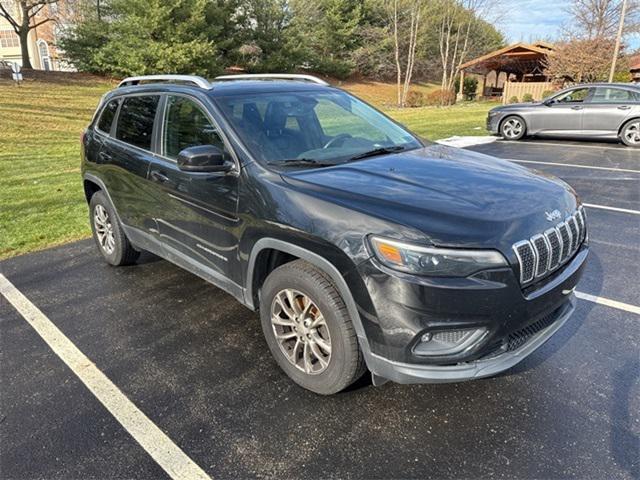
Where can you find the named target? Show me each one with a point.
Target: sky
(529, 20)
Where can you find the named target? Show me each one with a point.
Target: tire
(108, 233)
(630, 133)
(513, 128)
(289, 291)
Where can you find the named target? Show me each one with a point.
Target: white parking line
(574, 165)
(166, 453)
(625, 307)
(621, 148)
(612, 209)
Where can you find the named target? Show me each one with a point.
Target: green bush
(513, 99)
(415, 99)
(469, 89)
(527, 98)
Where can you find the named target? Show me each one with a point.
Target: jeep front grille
(545, 252)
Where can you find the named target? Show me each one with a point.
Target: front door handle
(159, 176)
(104, 157)
(624, 107)
(577, 107)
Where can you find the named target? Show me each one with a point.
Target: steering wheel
(341, 136)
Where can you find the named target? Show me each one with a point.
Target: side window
(135, 121)
(613, 95)
(574, 96)
(186, 125)
(106, 117)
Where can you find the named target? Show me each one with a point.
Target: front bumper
(493, 123)
(399, 310)
(411, 373)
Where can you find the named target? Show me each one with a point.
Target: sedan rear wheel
(513, 128)
(630, 134)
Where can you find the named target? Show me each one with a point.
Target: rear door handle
(159, 177)
(624, 107)
(577, 107)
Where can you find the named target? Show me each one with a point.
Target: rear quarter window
(107, 115)
(135, 121)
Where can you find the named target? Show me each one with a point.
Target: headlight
(433, 261)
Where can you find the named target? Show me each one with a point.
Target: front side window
(614, 95)
(107, 115)
(186, 125)
(135, 121)
(312, 126)
(574, 96)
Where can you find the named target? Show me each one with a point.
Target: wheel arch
(626, 122)
(288, 252)
(516, 115)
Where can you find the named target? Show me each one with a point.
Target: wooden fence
(519, 89)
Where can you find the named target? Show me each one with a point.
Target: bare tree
(403, 12)
(587, 60)
(459, 17)
(593, 19)
(27, 15)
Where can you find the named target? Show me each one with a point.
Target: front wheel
(308, 330)
(513, 128)
(630, 133)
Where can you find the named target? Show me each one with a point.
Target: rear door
(607, 109)
(562, 116)
(127, 156)
(196, 212)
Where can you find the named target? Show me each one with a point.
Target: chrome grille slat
(546, 252)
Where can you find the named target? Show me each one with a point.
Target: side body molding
(320, 262)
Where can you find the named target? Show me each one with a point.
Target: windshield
(313, 128)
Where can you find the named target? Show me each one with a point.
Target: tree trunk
(24, 47)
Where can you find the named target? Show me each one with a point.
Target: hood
(454, 197)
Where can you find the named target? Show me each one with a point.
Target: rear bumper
(413, 373)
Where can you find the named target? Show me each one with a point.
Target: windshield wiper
(378, 151)
(296, 162)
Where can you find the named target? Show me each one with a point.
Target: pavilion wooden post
(461, 89)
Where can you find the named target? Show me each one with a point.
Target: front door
(197, 212)
(563, 115)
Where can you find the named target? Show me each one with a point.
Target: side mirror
(548, 102)
(203, 158)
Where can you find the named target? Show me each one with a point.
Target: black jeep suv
(361, 245)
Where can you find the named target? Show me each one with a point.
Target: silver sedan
(607, 110)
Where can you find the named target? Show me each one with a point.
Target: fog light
(448, 342)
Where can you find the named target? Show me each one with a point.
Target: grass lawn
(41, 198)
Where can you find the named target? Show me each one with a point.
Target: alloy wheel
(104, 229)
(632, 133)
(301, 331)
(512, 128)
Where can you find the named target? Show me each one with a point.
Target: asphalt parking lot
(194, 362)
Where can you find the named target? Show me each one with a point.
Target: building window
(9, 39)
(43, 50)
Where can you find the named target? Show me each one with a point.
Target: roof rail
(273, 76)
(190, 79)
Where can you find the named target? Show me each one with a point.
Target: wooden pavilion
(511, 71)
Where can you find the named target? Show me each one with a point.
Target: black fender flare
(321, 263)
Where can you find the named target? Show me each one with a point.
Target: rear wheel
(630, 133)
(513, 128)
(308, 329)
(108, 233)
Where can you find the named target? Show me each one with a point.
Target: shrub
(440, 97)
(513, 99)
(415, 99)
(469, 89)
(527, 98)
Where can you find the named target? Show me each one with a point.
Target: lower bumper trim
(406, 373)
